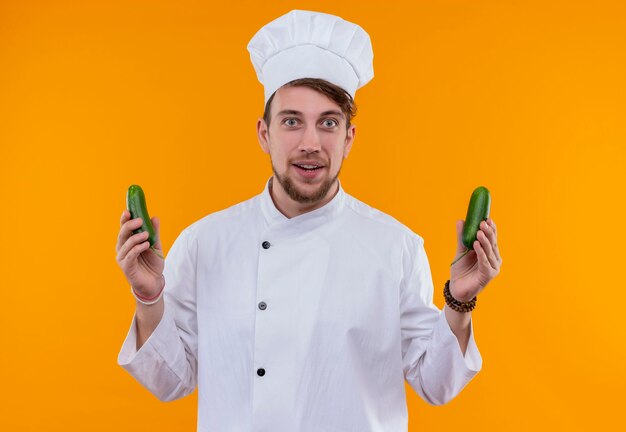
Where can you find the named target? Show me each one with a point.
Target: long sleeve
(433, 363)
(166, 364)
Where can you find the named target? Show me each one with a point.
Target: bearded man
(302, 309)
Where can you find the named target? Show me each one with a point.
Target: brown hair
(334, 92)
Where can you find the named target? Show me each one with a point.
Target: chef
(302, 309)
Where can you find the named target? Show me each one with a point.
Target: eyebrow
(299, 113)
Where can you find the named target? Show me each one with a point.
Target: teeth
(309, 166)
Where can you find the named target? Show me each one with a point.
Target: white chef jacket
(308, 324)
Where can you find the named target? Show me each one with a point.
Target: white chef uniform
(308, 324)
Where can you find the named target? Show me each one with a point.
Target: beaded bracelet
(456, 305)
(152, 300)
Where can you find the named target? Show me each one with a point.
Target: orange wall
(524, 97)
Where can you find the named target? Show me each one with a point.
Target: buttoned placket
(282, 241)
(262, 305)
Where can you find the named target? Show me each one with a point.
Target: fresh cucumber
(477, 211)
(136, 205)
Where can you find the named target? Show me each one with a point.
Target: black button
(262, 305)
(266, 244)
(260, 372)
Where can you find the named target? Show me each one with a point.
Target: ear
(262, 132)
(349, 140)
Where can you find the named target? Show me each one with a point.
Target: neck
(291, 208)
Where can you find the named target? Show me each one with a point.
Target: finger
(127, 230)
(486, 247)
(494, 239)
(491, 227)
(488, 228)
(483, 261)
(136, 250)
(492, 235)
(489, 232)
(130, 243)
(125, 217)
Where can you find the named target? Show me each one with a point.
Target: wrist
(148, 301)
(457, 304)
(453, 290)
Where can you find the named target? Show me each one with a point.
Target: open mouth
(309, 170)
(308, 167)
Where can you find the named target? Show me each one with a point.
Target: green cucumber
(478, 211)
(136, 205)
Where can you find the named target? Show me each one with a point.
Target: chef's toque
(304, 44)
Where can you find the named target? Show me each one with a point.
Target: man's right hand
(142, 267)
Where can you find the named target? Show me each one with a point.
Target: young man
(302, 309)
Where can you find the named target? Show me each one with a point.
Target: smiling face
(307, 141)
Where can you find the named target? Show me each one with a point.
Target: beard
(301, 197)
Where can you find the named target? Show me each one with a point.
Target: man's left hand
(470, 274)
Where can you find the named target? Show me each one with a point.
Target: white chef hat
(305, 44)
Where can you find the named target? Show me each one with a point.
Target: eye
(329, 123)
(290, 122)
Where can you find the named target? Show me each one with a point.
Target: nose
(310, 142)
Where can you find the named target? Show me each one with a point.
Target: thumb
(460, 247)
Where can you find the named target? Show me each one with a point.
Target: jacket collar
(304, 222)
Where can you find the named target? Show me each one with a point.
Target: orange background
(526, 98)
